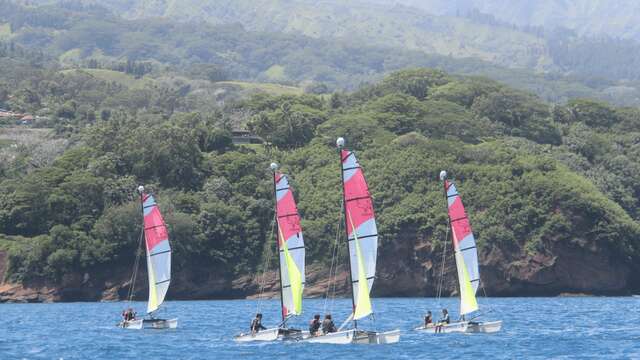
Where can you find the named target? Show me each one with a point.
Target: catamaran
(158, 253)
(290, 244)
(362, 244)
(466, 255)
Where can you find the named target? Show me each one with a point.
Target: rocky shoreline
(560, 270)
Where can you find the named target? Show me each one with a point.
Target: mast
(443, 178)
(340, 143)
(274, 167)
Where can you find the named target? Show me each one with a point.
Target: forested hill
(551, 190)
(587, 17)
(336, 44)
(93, 103)
(463, 32)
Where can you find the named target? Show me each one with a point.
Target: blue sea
(533, 328)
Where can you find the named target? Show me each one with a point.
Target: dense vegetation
(533, 175)
(124, 102)
(606, 63)
(596, 18)
(230, 41)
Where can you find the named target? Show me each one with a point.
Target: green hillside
(595, 17)
(481, 30)
(358, 21)
(90, 37)
(550, 176)
(117, 77)
(536, 179)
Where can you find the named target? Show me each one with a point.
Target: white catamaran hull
(262, 335)
(131, 324)
(463, 327)
(160, 323)
(354, 336)
(273, 335)
(149, 324)
(456, 327)
(287, 334)
(484, 327)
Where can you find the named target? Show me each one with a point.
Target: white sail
(158, 253)
(290, 246)
(362, 233)
(466, 254)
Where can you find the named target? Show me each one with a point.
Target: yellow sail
(295, 278)
(468, 302)
(363, 307)
(153, 294)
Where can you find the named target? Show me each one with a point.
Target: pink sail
(158, 252)
(290, 246)
(360, 223)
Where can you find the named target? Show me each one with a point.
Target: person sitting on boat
(128, 314)
(327, 325)
(445, 317)
(428, 319)
(314, 325)
(256, 324)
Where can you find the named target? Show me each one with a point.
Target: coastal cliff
(408, 269)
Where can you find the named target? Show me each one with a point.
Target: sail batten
(158, 252)
(466, 254)
(362, 233)
(290, 247)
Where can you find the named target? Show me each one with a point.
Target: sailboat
(158, 253)
(290, 244)
(362, 244)
(466, 255)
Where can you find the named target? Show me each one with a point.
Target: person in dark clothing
(128, 314)
(256, 324)
(327, 325)
(314, 325)
(428, 319)
(445, 317)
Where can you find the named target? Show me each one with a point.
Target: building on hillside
(27, 119)
(239, 137)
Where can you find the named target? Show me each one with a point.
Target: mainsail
(362, 233)
(158, 252)
(290, 246)
(464, 245)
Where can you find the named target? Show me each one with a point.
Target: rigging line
(267, 259)
(341, 217)
(484, 292)
(331, 288)
(444, 260)
(136, 265)
(331, 268)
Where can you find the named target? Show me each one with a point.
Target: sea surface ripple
(533, 328)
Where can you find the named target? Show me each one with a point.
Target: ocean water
(533, 328)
